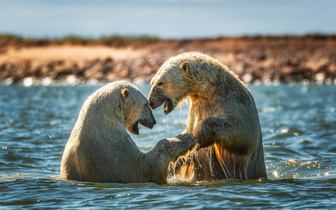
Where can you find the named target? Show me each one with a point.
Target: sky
(166, 18)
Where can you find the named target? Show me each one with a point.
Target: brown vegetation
(258, 58)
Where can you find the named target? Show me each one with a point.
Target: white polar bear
(101, 150)
(222, 116)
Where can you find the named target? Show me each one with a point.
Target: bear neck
(99, 115)
(210, 83)
(204, 88)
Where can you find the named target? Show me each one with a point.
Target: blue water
(299, 133)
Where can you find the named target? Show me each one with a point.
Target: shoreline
(32, 82)
(264, 59)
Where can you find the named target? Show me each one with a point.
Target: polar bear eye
(160, 83)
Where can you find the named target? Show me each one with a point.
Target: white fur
(222, 115)
(101, 150)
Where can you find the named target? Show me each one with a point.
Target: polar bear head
(188, 74)
(136, 109)
(170, 84)
(116, 103)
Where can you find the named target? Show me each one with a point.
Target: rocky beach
(256, 58)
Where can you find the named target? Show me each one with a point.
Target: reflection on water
(299, 132)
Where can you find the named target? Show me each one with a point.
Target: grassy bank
(121, 41)
(115, 41)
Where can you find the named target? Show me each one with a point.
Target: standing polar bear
(101, 150)
(222, 116)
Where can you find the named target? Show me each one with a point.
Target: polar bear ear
(185, 66)
(125, 93)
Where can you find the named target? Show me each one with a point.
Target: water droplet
(285, 130)
(136, 139)
(167, 124)
(275, 174)
(54, 122)
(122, 195)
(268, 109)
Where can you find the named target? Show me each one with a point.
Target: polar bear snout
(147, 123)
(147, 118)
(156, 97)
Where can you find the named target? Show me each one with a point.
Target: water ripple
(298, 125)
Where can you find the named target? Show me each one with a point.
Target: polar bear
(223, 116)
(101, 150)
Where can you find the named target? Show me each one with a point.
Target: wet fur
(101, 150)
(222, 115)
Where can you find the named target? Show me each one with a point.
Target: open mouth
(168, 106)
(147, 123)
(135, 128)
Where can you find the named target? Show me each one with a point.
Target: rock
(284, 59)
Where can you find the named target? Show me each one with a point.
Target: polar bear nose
(149, 123)
(151, 104)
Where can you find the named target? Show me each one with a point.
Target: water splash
(182, 170)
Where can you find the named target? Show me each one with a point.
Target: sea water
(299, 134)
